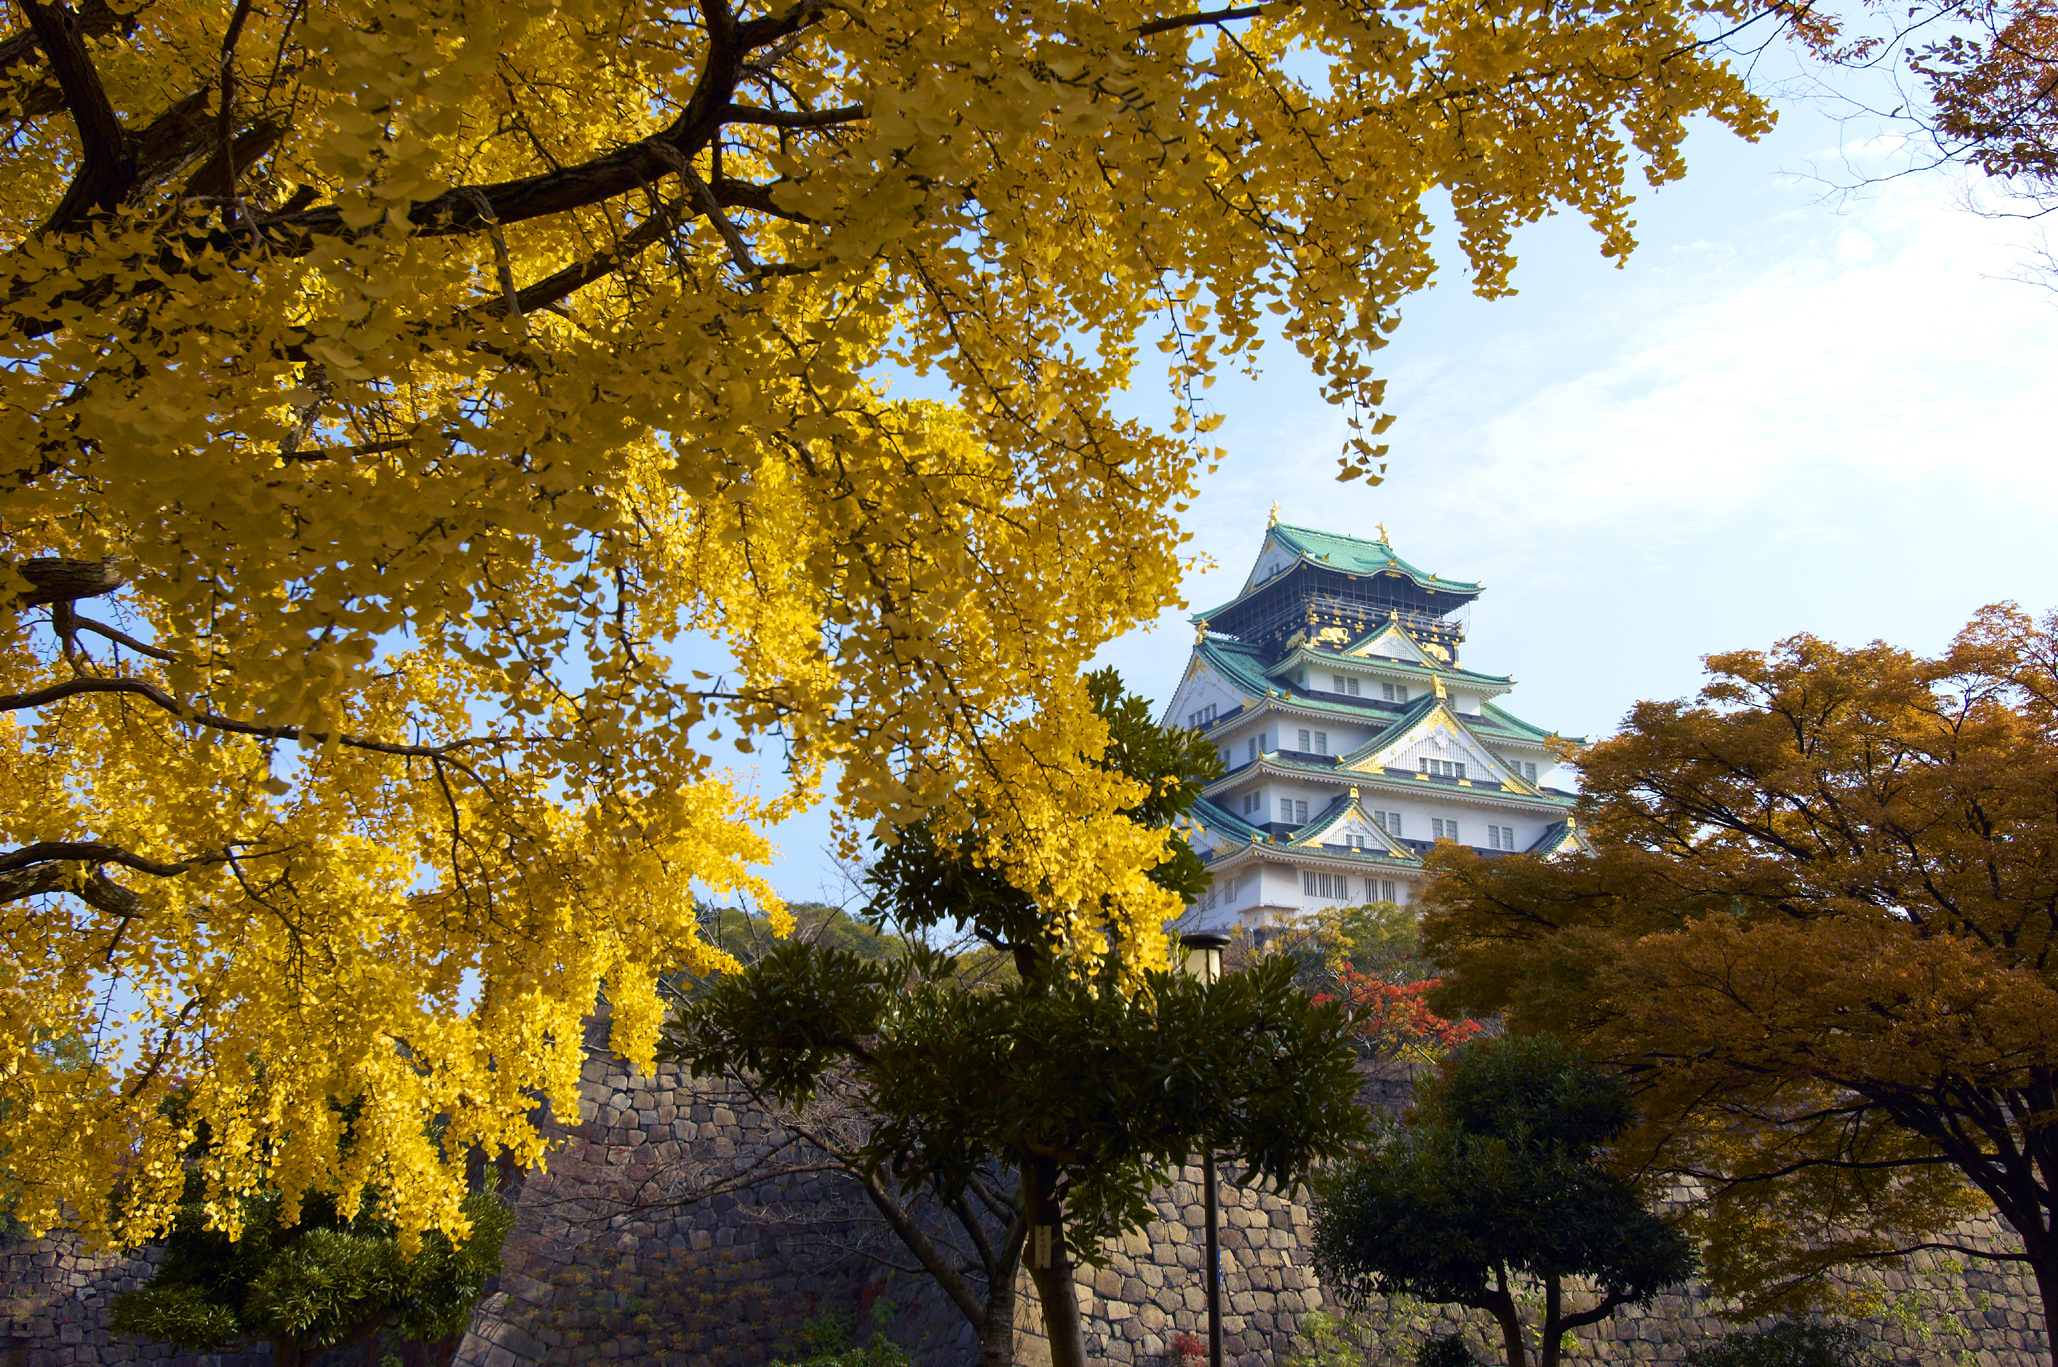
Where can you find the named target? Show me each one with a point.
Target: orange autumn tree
(1819, 932)
(395, 396)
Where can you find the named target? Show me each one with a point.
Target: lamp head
(1204, 954)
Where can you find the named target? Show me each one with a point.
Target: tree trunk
(1554, 1292)
(1050, 1263)
(286, 1353)
(1502, 1305)
(997, 1341)
(2046, 1268)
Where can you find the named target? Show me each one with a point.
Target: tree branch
(923, 1247)
(52, 580)
(95, 852)
(42, 697)
(20, 50)
(1196, 20)
(793, 118)
(107, 159)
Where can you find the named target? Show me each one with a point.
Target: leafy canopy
(392, 392)
(1819, 930)
(1496, 1176)
(309, 1280)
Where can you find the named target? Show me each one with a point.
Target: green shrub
(824, 1341)
(1788, 1343)
(1446, 1350)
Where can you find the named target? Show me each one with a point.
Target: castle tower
(1353, 738)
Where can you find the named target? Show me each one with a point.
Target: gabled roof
(1354, 555)
(1342, 811)
(1243, 667)
(1346, 555)
(1560, 837)
(1317, 655)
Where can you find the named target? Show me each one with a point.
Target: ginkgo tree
(391, 390)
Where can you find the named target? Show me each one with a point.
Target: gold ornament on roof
(1382, 532)
(1273, 520)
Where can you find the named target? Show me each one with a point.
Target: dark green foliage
(322, 1283)
(1088, 1094)
(1445, 1350)
(1124, 1086)
(1787, 1343)
(1495, 1176)
(825, 1342)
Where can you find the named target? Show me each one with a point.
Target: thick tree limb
(149, 692)
(21, 51)
(1196, 20)
(469, 208)
(107, 159)
(52, 580)
(933, 1259)
(92, 852)
(794, 118)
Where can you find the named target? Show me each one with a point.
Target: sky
(1807, 404)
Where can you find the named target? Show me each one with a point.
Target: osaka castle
(1354, 738)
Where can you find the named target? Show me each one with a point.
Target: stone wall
(679, 1224)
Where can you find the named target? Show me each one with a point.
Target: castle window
(1196, 720)
(1303, 746)
(1394, 692)
(1344, 684)
(1378, 892)
(1321, 742)
(1252, 801)
(1529, 772)
(1443, 830)
(1330, 885)
(1354, 842)
(1390, 822)
(1500, 837)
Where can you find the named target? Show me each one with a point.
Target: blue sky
(1794, 410)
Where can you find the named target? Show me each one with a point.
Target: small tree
(1089, 1087)
(308, 1285)
(1493, 1179)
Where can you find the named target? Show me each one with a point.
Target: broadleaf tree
(1493, 1186)
(1054, 1096)
(393, 396)
(311, 1280)
(1818, 931)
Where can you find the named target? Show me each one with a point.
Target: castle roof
(1347, 555)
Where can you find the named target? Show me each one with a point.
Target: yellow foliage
(426, 373)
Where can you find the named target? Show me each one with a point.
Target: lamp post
(1204, 963)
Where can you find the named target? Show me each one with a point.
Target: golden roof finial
(1382, 533)
(1354, 792)
(1273, 520)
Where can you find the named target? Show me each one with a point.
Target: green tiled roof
(1244, 667)
(1355, 556)
(1217, 821)
(1320, 655)
(1351, 555)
